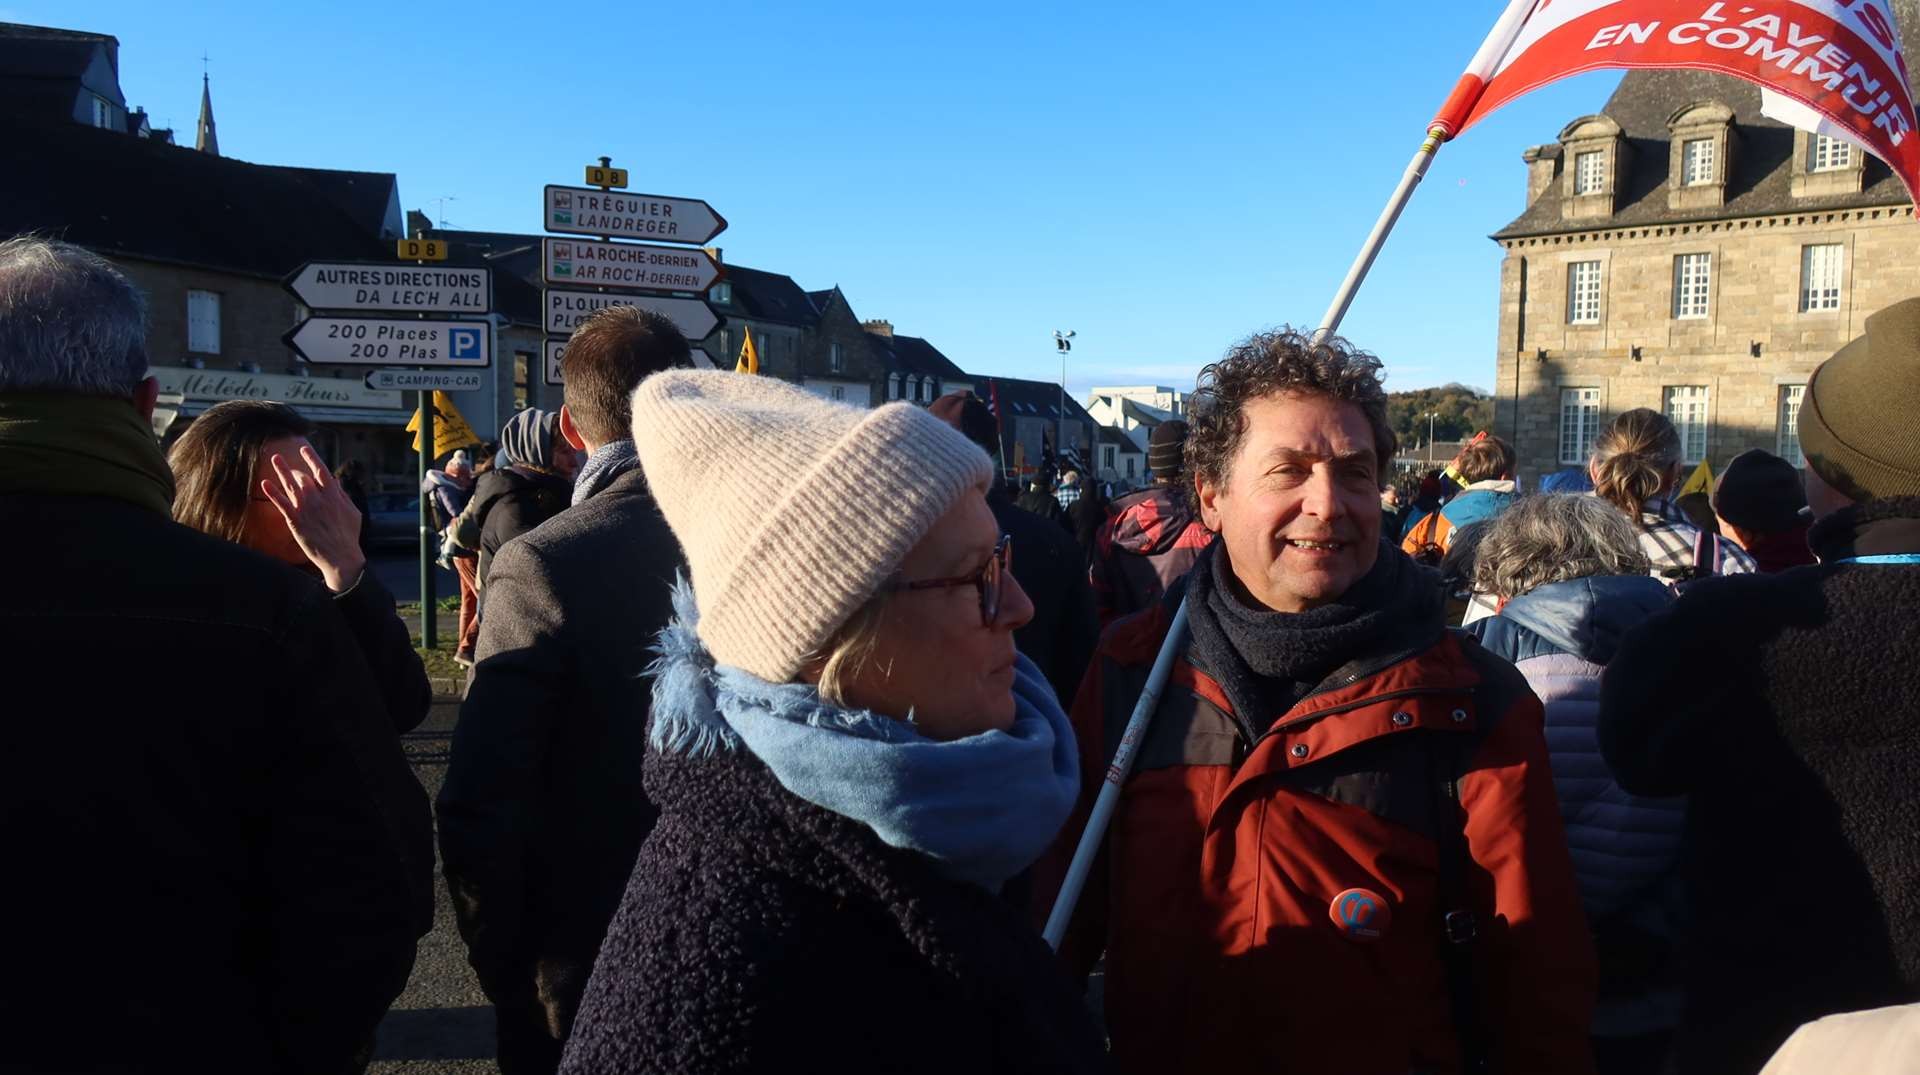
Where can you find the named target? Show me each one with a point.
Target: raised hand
(322, 520)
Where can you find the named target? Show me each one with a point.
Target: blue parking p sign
(463, 345)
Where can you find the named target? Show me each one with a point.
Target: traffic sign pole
(429, 622)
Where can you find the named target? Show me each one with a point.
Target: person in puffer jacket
(1572, 581)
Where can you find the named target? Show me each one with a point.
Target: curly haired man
(1340, 849)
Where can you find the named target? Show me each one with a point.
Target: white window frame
(838, 392)
(1687, 407)
(1583, 293)
(203, 322)
(833, 357)
(1692, 286)
(102, 113)
(1829, 154)
(1582, 405)
(1787, 429)
(1696, 162)
(1590, 172)
(1106, 456)
(721, 292)
(1821, 266)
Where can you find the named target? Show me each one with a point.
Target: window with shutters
(1583, 293)
(1692, 282)
(1687, 410)
(203, 322)
(1820, 277)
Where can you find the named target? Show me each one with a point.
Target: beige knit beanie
(791, 510)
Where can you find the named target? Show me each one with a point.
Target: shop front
(355, 422)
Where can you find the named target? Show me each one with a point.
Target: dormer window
(1590, 172)
(1599, 160)
(1697, 162)
(1830, 154)
(893, 386)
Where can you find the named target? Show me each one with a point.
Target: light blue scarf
(607, 462)
(983, 807)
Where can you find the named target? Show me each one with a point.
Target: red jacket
(1152, 540)
(1216, 893)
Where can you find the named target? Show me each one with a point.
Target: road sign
(368, 341)
(367, 285)
(646, 266)
(565, 310)
(550, 369)
(584, 211)
(427, 380)
(606, 177)
(420, 250)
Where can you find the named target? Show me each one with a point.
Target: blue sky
(1161, 179)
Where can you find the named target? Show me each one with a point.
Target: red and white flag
(1840, 59)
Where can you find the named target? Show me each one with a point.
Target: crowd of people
(784, 720)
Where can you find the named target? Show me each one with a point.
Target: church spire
(206, 141)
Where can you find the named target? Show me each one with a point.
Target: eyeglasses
(986, 580)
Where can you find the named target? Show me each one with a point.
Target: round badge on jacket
(1362, 914)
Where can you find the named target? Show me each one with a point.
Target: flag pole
(1451, 118)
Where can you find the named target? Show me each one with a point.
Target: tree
(1462, 411)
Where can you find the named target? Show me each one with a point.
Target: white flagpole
(1485, 62)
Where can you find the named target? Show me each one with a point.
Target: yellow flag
(1700, 482)
(749, 358)
(450, 429)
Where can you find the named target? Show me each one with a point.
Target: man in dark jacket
(218, 859)
(1046, 561)
(1154, 537)
(542, 813)
(1339, 849)
(1783, 706)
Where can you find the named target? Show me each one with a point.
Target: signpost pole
(429, 551)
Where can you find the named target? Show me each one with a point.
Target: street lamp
(1062, 342)
(1431, 415)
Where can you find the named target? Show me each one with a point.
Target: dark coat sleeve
(387, 646)
(494, 795)
(1079, 632)
(347, 852)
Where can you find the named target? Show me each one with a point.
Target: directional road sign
(646, 266)
(357, 285)
(427, 380)
(368, 341)
(550, 369)
(585, 211)
(567, 309)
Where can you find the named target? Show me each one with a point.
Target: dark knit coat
(760, 933)
(1787, 708)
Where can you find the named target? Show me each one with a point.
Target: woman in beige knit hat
(849, 757)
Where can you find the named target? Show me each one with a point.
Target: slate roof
(515, 261)
(1020, 398)
(142, 198)
(769, 296)
(1110, 435)
(820, 299)
(364, 195)
(1760, 183)
(913, 355)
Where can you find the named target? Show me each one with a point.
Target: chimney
(417, 223)
(1542, 163)
(718, 254)
(879, 328)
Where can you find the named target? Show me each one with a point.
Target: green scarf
(81, 446)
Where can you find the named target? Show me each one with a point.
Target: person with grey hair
(204, 801)
(1572, 580)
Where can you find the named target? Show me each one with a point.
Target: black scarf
(1267, 661)
(1873, 528)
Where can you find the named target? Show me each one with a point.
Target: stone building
(1680, 251)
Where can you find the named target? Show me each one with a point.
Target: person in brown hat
(1783, 707)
